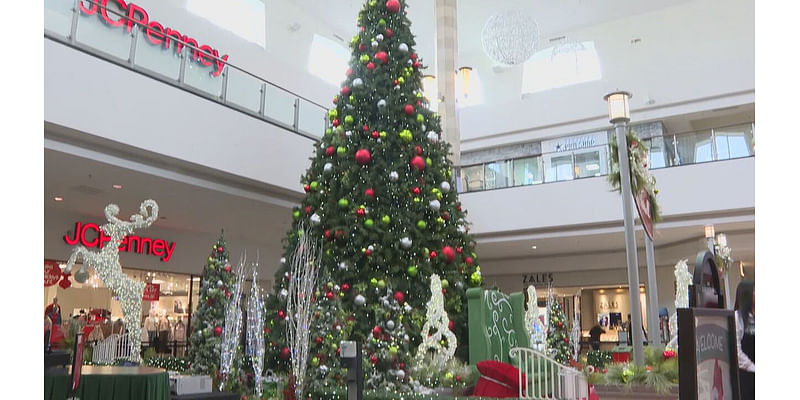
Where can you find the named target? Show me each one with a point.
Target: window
(560, 169)
(694, 148)
(527, 171)
(328, 60)
(498, 174)
(473, 178)
(733, 142)
(589, 164)
(561, 65)
(245, 18)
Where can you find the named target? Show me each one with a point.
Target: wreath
(640, 172)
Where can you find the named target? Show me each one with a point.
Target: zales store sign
(131, 243)
(155, 33)
(541, 279)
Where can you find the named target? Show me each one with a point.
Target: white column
(446, 65)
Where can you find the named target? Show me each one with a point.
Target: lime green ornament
(343, 203)
(374, 281)
(385, 219)
(348, 120)
(332, 114)
(295, 214)
(341, 151)
(328, 131)
(368, 223)
(352, 98)
(421, 224)
(383, 134)
(419, 95)
(354, 40)
(372, 3)
(412, 271)
(393, 350)
(417, 200)
(301, 232)
(428, 162)
(440, 220)
(406, 135)
(364, 58)
(381, 284)
(382, 23)
(445, 284)
(339, 130)
(401, 80)
(315, 361)
(420, 118)
(314, 185)
(439, 195)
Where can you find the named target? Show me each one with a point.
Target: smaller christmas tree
(558, 341)
(208, 320)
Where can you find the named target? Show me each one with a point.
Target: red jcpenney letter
(83, 235)
(132, 10)
(104, 13)
(89, 11)
(155, 33)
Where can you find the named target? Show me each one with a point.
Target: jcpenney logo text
(137, 244)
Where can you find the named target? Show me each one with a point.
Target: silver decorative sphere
(357, 82)
(509, 37)
(219, 283)
(343, 266)
(348, 133)
(403, 47)
(433, 137)
(327, 167)
(283, 260)
(374, 44)
(315, 219)
(381, 103)
(445, 186)
(393, 176)
(283, 293)
(462, 229)
(386, 303)
(379, 37)
(323, 370)
(435, 205)
(360, 300)
(390, 325)
(401, 374)
(405, 242)
(407, 308)
(82, 276)
(459, 285)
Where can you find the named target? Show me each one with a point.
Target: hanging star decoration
(106, 263)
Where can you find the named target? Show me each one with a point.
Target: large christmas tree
(380, 194)
(209, 318)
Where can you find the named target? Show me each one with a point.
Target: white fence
(112, 348)
(544, 378)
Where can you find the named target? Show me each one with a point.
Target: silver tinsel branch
(233, 326)
(255, 330)
(304, 264)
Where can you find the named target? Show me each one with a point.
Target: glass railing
(695, 147)
(115, 35)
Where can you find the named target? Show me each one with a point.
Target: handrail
(542, 378)
(187, 49)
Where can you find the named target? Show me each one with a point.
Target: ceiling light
(116, 186)
(58, 198)
(533, 247)
(601, 291)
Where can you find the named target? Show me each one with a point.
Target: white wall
(684, 190)
(93, 96)
(700, 52)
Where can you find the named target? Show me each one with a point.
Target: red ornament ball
(449, 253)
(469, 261)
(458, 249)
(307, 188)
(368, 252)
(451, 325)
(218, 331)
(566, 340)
(382, 57)
(281, 314)
(349, 71)
(65, 282)
(413, 56)
(228, 268)
(418, 150)
(285, 353)
(375, 134)
(360, 212)
(329, 295)
(327, 234)
(365, 128)
(376, 331)
(330, 151)
(345, 287)
(408, 109)
(399, 296)
(370, 193)
(417, 163)
(318, 340)
(416, 64)
(220, 249)
(362, 47)
(373, 359)
(415, 190)
(389, 33)
(345, 91)
(363, 156)
(371, 66)
(560, 324)
(393, 6)
(308, 209)
(433, 255)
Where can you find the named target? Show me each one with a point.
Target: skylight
(328, 60)
(245, 18)
(561, 65)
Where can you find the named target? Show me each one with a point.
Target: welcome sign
(708, 362)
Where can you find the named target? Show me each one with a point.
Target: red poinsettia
(669, 354)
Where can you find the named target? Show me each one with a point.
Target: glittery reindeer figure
(106, 263)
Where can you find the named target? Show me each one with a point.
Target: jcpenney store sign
(155, 33)
(91, 235)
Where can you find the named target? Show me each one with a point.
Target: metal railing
(541, 377)
(128, 47)
(716, 144)
(115, 347)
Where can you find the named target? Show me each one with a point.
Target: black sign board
(705, 289)
(708, 362)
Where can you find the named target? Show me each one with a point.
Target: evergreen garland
(641, 178)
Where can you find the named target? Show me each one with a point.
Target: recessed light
(115, 186)
(533, 247)
(58, 198)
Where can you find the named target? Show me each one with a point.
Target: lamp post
(653, 330)
(709, 230)
(619, 115)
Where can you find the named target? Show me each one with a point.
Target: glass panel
(311, 119)
(589, 164)
(527, 171)
(58, 16)
(473, 178)
(200, 76)
(156, 58)
(498, 175)
(661, 151)
(279, 105)
(694, 148)
(559, 168)
(734, 141)
(94, 32)
(244, 90)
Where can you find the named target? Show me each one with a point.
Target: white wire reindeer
(106, 263)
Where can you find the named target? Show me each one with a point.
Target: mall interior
(221, 144)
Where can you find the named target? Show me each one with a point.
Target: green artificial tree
(380, 194)
(209, 318)
(558, 342)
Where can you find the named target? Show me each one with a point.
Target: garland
(640, 173)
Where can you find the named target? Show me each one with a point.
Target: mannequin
(163, 334)
(53, 311)
(151, 327)
(179, 335)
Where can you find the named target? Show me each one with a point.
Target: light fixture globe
(509, 38)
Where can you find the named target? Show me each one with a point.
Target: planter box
(629, 392)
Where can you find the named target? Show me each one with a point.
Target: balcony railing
(182, 64)
(709, 145)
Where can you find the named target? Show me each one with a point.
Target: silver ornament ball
(315, 219)
(445, 186)
(394, 176)
(379, 37)
(360, 300)
(433, 137)
(381, 103)
(327, 167)
(403, 47)
(390, 325)
(357, 82)
(82, 276)
(405, 242)
(435, 205)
